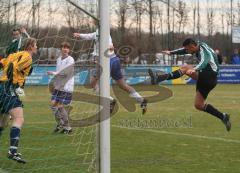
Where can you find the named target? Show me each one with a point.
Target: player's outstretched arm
(180, 51)
(51, 73)
(166, 52)
(76, 35)
(88, 36)
(24, 31)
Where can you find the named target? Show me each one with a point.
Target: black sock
(175, 74)
(1, 129)
(14, 139)
(213, 111)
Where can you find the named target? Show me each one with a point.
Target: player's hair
(65, 44)
(29, 42)
(16, 29)
(189, 41)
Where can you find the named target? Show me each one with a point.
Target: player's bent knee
(53, 103)
(199, 106)
(18, 122)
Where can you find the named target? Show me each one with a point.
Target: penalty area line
(3, 171)
(181, 134)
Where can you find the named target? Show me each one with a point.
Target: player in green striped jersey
(205, 73)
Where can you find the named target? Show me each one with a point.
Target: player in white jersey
(115, 70)
(63, 89)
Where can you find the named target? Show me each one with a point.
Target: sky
(59, 19)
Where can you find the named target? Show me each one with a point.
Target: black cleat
(57, 129)
(157, 78)
(16, 157)
(152, 76)
(161, 77)
(144, 106)
(66, 131)
(226, 121)
(112, 105)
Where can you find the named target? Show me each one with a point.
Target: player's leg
(55, 110)
(133, 93)
(65, 98)
(65, 119)
(94, 84)
(157, 78)
(205, 83)
(15, 131)
(208, 108)
(116, 74)
(194, 76)
(57, 115)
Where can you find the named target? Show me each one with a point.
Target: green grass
(204, 146)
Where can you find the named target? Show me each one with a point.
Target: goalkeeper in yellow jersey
(16, 67)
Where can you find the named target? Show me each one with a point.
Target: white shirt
(64, 73)
(94, 36)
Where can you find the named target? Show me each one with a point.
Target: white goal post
(104, 13)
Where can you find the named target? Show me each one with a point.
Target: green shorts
(8, 99)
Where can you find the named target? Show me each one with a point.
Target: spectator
(219, 56)
(235, 58)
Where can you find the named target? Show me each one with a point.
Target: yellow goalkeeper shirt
(16, 67)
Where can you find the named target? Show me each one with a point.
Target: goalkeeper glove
(20, 92)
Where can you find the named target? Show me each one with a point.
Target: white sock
(96, 90)
(137, 96)
(111, 98)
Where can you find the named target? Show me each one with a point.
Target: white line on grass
(181, 134)
(3, 171)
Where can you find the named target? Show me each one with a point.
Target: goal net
(52, 22)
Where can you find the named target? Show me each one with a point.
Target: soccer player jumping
(205, 73)
(115, 71)
(16, 67)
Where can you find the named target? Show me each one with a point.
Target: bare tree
(182, 15)
(228, 21)
(194, 20)
(210, 21)
(139, 10)
(38, 6)
(238, 13)
(150, 12)
(15, 5)
(198, 19)
(157, 12)
(223, 23)
(160, 17)
(33, 14)
(122, 13)
(8, 12)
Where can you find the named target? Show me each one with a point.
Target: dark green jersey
(206, 56)
(16, 44)
(13, 47)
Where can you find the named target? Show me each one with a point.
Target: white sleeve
(26, 34)
(70, 61)
(89, 36)
(110, 41)
(57, 66)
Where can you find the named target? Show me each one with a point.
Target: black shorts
(207, 80)
(8, 99)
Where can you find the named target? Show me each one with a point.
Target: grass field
(178, 138)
